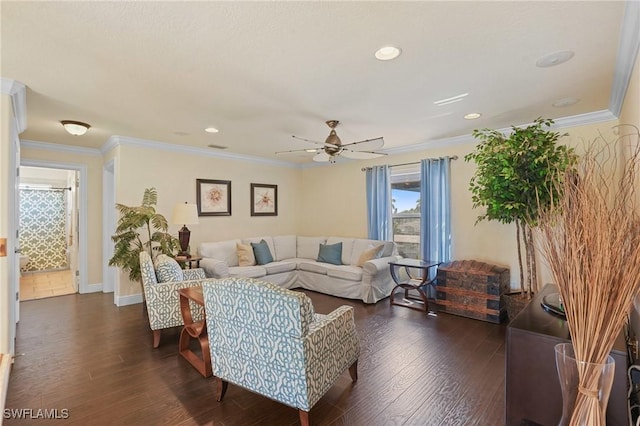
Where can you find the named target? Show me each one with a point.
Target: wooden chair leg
(353, 371)
(221, 388)
(156, 338)
(304, 417)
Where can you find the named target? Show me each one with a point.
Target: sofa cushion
(269, 240)
(347, 247)
(262, 253)
(278, 267)
(167, 269)
(330, 253)
(372, 252)
(313, 266)
(221, 250)
(245, 255)
(285, 247)
(247, 271)
(308, 247)
(345, 272)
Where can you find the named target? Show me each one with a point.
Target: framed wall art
(213, 197)
(264, 199)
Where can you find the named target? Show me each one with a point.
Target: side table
(188, 262)
(194, 330)
(418, 283)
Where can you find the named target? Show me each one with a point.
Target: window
(405, 205)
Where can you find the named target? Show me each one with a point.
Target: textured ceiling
(263, 71)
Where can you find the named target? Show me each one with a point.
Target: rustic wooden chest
(473, 289)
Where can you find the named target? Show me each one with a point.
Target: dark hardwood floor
(83, 354)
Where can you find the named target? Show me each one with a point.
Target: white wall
(174, 176)
(5, 204)
(333, 202)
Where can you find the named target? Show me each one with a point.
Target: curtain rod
(453, 157)
(68, 188)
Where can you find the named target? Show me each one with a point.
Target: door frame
(110, 276)
(83, 206)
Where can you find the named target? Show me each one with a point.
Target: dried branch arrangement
(590, 238)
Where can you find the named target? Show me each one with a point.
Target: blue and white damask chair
(160, 285)
(269, 340)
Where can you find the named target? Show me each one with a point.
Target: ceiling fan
(332, 147)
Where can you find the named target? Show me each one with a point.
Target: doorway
(48, 232)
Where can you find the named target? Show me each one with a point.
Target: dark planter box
(473, 289)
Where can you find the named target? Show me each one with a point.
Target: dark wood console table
(532, 388)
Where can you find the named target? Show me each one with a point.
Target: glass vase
(589, 406)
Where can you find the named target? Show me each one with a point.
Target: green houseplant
(141, 228)
(515, 178)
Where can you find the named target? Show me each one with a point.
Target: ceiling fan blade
(294, 151)
(307, 140)
(322, 157)
(361, 155)
(367, 144)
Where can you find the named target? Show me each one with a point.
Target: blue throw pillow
(262, 253)
(330, 253)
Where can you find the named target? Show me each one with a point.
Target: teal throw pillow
(330, 253)
(262, 253)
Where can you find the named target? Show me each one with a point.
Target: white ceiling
(263, 71)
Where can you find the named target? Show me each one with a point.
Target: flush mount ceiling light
(211, 130)
(387, 53)
(554, 59)
(565, 102)
(472, 116)
(76, 128)
(451, 100)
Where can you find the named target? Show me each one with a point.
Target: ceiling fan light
(76, 128)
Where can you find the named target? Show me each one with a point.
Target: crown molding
(559, 123)
(116, 140)
(55, 147)
(18, 93)
(627, 53)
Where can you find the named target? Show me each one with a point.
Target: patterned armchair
(268, 339)
(162, 299)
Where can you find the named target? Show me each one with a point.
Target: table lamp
(185, 214)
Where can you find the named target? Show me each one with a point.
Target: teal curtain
(435, 220)
(379, 202)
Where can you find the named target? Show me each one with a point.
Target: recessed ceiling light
(554, 59)
(565, 102)
(451, 100)
(387, 53)
(310, 150)
(211, 130)
(472, 116)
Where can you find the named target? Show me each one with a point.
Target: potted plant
(141, 228)
(514, 179)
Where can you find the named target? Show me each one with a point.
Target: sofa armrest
(214, 268)
(330, 347)
(193, 274)
(375, 266)
(163, 304)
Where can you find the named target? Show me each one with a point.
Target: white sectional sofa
(295, 265)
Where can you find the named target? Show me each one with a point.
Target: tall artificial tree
(141, 228)
(515, 177)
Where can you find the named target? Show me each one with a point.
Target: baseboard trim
(92, 288)
(131, 299)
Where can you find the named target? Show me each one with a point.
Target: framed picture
(264, 200)
(214, 197)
